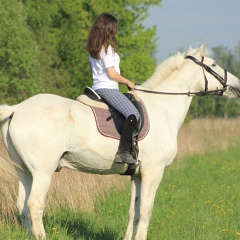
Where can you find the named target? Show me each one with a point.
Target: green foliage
(18, 53)
(42, 45)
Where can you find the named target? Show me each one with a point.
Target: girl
(105, 69)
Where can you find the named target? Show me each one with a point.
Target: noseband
(205, 67)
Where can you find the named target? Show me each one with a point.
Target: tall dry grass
(80, 191)
(208, 135)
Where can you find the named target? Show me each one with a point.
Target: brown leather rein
(219, 92)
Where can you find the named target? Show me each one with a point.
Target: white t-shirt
(99, 69)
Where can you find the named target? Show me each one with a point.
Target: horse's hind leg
(133, 215)
(36, 202)
(25, 179)
(25, 184)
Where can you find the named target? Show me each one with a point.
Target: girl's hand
(131, 85)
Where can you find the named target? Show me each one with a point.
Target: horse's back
(44, 114)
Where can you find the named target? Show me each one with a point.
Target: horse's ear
(202, 49)
(189, 49)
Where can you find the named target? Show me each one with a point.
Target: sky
(190, 22)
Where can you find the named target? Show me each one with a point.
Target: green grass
(201, 200)
(198, 201)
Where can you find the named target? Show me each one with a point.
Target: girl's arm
(119, 78)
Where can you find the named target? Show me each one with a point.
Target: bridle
(206, 68)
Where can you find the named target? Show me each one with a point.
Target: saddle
(109, 121)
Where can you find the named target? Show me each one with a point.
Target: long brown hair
(102, 34)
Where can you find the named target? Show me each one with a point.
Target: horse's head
(214, 78)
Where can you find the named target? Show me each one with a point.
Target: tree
(42, 45)
(18, 54)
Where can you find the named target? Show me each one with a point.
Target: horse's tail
(6, 111)
(7, 171)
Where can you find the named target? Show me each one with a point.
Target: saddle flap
(109, 121)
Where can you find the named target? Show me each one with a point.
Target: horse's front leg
(150, 182)
(134, 207)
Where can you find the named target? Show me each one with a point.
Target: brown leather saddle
(109, 121)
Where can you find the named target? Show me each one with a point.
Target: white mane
(169, 66)
(164, 70)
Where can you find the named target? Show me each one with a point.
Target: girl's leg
(122, 104)
(119, 102)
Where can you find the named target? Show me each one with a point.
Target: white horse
(48, 131)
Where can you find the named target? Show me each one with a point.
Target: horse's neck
(175, 107)
(179, 81)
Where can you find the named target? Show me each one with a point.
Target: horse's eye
(214, 64)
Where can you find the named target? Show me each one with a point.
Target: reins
(220, 92)
(202, 93)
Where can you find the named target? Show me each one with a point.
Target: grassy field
(198, 201)
(198, 198)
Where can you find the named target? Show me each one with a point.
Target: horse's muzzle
(233, 91)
